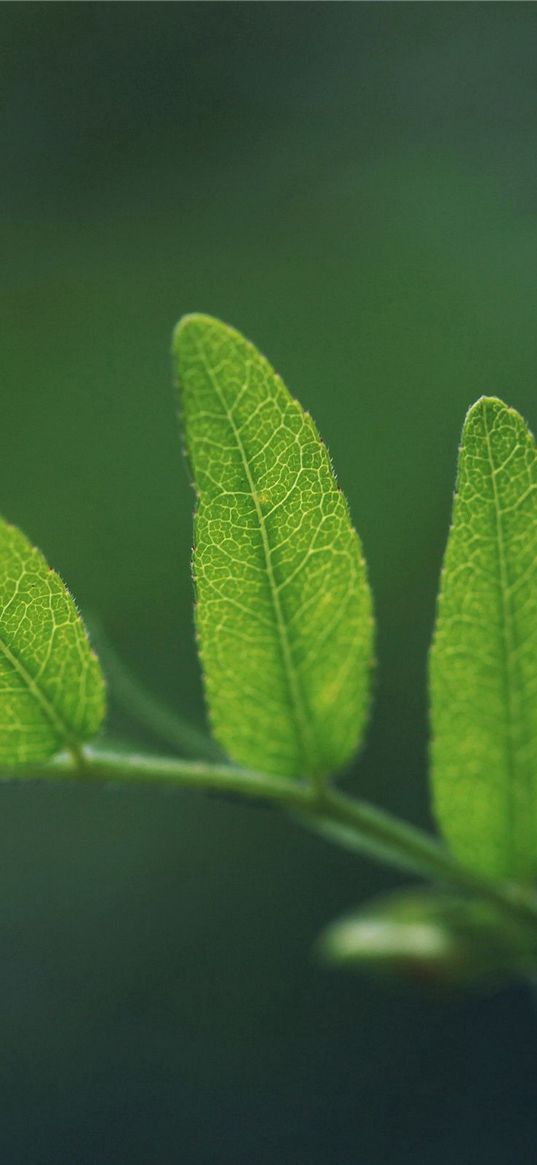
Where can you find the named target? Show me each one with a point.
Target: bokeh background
(354, 186)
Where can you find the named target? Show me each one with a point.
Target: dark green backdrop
(355, 187)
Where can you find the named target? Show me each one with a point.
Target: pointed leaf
(51, 688)
(283, 606)
(484, 657)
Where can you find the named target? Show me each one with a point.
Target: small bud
(430, 939)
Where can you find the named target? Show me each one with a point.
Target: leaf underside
(51, 687)
(483, 670)
(283, 607)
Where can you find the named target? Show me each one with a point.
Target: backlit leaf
(484, 657)
(283, 606)
(51, 688)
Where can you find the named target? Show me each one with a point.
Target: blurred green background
(354, 186)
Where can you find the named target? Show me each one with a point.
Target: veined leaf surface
(51, 687)
(283, 606)
(484, 656)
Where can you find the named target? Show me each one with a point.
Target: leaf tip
(195, 323)
(488, 411)
(483, 404)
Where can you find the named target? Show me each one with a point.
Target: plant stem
(96, 765)
(345, 820)
(399, 843)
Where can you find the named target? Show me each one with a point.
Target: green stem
(402, 844)
(171, 771)
(343, 819)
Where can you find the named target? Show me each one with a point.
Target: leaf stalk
(343, 819)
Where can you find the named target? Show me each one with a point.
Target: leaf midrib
(53, 717)
(302, 726)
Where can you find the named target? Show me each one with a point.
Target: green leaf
(483, 669)
(51, 687)
(283, 607)
(431, 939)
